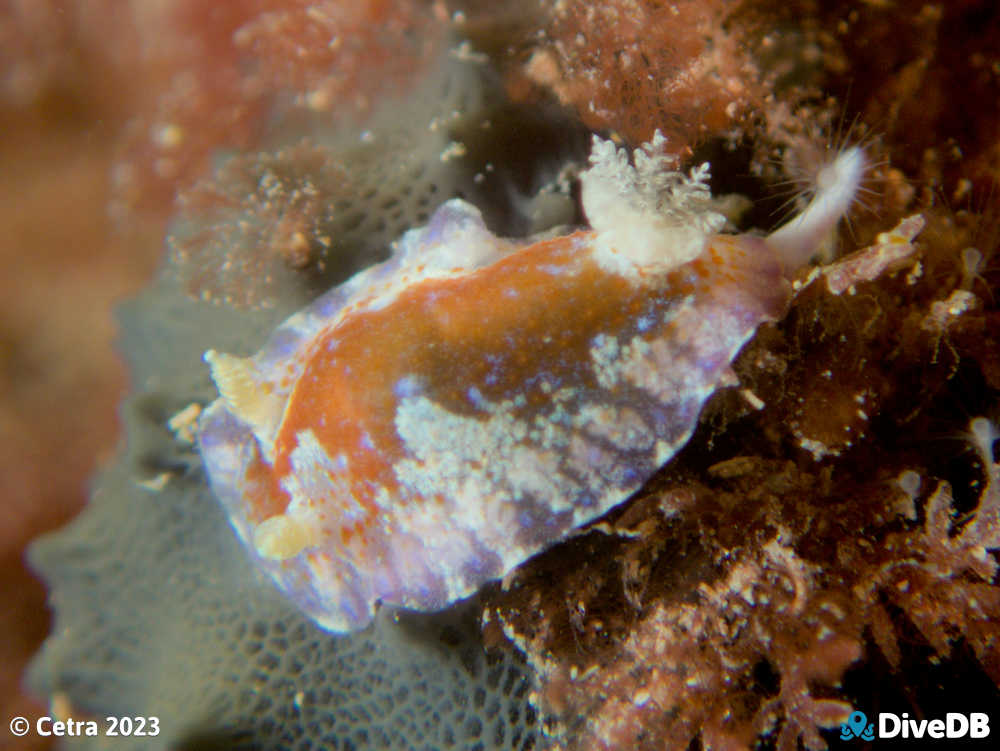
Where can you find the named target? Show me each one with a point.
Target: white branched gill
(647, 213)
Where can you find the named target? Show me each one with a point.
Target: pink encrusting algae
(441, 417)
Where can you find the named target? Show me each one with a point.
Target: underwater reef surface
(826, 540)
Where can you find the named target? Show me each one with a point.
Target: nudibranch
(441, 417)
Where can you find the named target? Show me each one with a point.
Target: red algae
(225, 73)
(634, 67)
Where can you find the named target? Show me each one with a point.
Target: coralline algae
(441, 417)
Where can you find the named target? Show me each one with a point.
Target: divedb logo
(857, 726)
(890, 725)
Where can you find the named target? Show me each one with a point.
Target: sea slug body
(441, 417)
